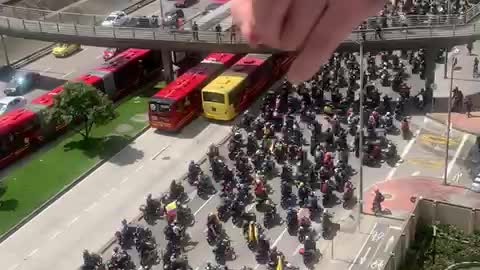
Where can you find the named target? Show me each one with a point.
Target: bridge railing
(96, 19)
(122, 33)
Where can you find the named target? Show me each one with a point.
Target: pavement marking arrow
(364, 258)
(389, 243)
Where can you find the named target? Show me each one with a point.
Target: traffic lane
(19, 48)
(56, 71)
(68, 67)
(71, 205)
(120, 182)
(377, 249)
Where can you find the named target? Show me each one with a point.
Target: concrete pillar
(167, 65)
(430, 55)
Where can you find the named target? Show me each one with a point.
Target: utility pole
(162, 15)
(360, 141)
(5, 50)
(449, 119)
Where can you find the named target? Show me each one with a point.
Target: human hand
(314, 28)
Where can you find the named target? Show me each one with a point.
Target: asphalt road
(87, 216)
(18, 48)
(199, 252)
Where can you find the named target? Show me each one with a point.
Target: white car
(115, 18)
(8, 104)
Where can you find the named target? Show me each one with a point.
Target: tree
(81, 103)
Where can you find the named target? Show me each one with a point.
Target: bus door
(184, 111)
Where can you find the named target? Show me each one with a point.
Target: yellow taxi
(65, 49)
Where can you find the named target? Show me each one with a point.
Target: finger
(242, 13)
(268, 19)
(300, 21)
(342, 17)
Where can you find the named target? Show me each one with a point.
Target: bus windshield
(213, 97)
(160, 108)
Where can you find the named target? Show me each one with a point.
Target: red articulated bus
(22, 129)
(180, 101)
(18, 130)
(127, 70)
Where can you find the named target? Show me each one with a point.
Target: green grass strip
(58, 165)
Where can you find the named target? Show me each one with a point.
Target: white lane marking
(68, 74)
(250, 207)
(46, 70)
(100, 56)
(113, 189)
(203, 205)
(93, 205)
(84, 49)
(125, 179)
(395, 228)
(13, 267)
(139, 168)
(416, 173)
(256, 267)
(106, 195)
(457, 154)
(196, 268)
(55, 235)
(73, 221)
(33, 252)
(364, 244)
(160, 152)
(402, 156)
(279, 237)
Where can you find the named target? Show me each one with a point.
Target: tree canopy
(81, 103)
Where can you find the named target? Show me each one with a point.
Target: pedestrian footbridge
(422, 31)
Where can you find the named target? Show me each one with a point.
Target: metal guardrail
(125, 33)
(95, 19)
(61, 25)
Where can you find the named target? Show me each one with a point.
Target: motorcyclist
(326, 223)
(405, 127)
(260, 190)
(387, 120)
(309, 246)
(270, 213)
(251, 231)
(91, 260)
(193, 170)
(377, 201)
(292, 218)
(176, 189)
(214, 226)
(273, 256)
(313, 203)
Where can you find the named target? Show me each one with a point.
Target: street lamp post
(5, 50)
(360, 141)
(161, 11)
(455, 51)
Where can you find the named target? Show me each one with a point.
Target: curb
(139, 217)
(64, 190)
(429, 116)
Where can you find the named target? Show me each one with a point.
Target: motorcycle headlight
(153, 107)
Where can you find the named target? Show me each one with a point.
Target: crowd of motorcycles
(286, 140)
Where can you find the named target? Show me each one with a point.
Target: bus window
(159, 108)
(213, 97)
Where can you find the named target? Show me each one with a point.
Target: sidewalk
(460, 121)
(351, 241)
(398, 193)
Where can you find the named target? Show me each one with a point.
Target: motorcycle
(405, 128)
(348, 197)
(184, 215)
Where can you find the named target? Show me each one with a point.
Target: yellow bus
(236, 88)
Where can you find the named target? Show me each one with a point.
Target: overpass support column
(167, 65)
(430, 55)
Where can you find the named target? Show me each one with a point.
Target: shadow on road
(48, 83)
(106, 147)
